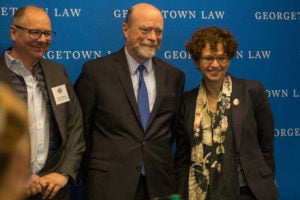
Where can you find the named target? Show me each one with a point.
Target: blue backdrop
(269, 51)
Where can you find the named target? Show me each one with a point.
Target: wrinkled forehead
(150, 17)
(36, 19)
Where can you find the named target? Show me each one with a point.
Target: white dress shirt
(38, 120)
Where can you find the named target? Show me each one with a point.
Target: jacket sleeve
(265, 125)
(182, 155)
(75, 143)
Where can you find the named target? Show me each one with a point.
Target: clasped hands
(47, 185)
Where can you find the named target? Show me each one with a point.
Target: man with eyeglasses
(55, 118)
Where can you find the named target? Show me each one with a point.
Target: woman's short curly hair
(211, 35)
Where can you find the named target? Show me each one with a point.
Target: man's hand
(52, 183)
(32, 186)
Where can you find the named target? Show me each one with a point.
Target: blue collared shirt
(149, 77)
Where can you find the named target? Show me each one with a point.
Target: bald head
(22, 12)
(141, 9)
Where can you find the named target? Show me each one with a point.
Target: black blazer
(68, 117)
(116, 140)
(253, 129)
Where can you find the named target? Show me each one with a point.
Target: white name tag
(60, 94)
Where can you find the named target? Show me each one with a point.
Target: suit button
(144, 142)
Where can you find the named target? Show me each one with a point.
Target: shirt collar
(16, 65)
(10, 60)
(133, 64)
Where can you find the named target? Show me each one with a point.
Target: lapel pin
(236, 102)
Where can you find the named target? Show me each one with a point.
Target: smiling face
(143, 32)
(212, 64)
(25, 47)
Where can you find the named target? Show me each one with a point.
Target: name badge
(60, 94)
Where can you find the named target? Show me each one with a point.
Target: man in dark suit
(129, 155)
(55, 117)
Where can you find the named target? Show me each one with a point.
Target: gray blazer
(68, 117)
(253, 129)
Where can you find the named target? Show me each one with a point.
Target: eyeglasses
(36, 34)
(219, 59)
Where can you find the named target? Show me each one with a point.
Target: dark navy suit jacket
(253, 129)
(117, 143)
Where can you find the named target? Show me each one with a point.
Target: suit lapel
(52, 79)
(190, 112)
(160, 75)
(48, 74)
(236, 113)
(121, 67)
